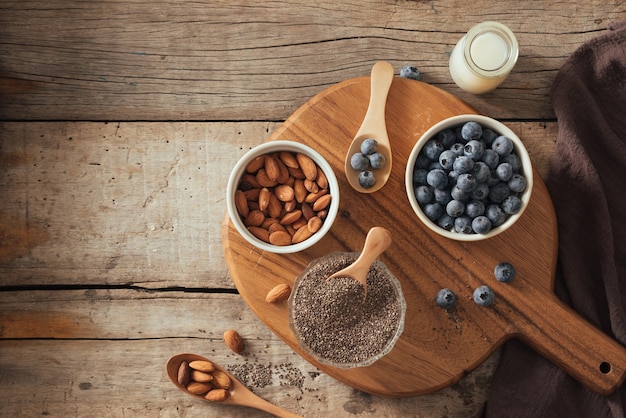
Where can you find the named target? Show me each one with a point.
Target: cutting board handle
(560, 334)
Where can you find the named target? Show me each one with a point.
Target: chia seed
(332, 320)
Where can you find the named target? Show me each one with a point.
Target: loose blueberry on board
(445, 298)
(367, 179)
(484, 296)
(359, 161)
(411, 72)
(504, 272)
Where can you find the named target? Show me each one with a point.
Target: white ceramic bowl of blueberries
(469, 177)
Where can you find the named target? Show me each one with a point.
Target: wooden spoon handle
(377, 241)
(263, 405)
(560, 334)
(374, 121)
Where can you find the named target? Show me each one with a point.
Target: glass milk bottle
(484, 57)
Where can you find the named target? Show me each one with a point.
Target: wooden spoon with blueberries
(368, 160)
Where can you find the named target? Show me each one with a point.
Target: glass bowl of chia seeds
(469, 178)
(331, 321)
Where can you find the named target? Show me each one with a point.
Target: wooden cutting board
(438, 347)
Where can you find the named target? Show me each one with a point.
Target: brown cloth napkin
(587, 183)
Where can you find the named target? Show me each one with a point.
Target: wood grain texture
(132, 203)
(85, 358)
(224, 60)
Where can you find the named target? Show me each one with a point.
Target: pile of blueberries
(468, 179)
(366, 161)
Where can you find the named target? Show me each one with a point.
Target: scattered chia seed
(331, 319)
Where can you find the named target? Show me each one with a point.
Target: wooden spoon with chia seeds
(377, 241)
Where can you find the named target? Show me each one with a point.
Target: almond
(202, 365)
(288, 159)
(314, 224)
(312, 197)
(184, 374)
(307, 165)
(274, 209)
(264, 198)
(299, 190)
(291, 217)
(299, 223)
(241, 203)
(254, 218)
(264, 180)
(259, 232)
(296, 173)
(276, 227)
(322, 202)
(284, 193)
(307, 211)
(198, 388)
(283, 172)
(217, 395)
(301, 234)
(233, 341)
(249, 181)
(254, 165)
(201, 377)
(311, 186)
(291, 205)
(322, 180)
(271, 168)
(280, 238)
(252, 194)
(278, 293)
(221, 380)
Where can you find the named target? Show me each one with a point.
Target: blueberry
(447, 137)
(481, 224)
(511, 205)
(434, 165)
(409, 71)
(466, 182)
(445, 298)
(446, 159)
(419, 176)
(517, 183)
(446, 222)
(455, 208)
(512, 159)
(504, 171)
(481, 192)
(474, 149)
(484, 296)
(493, 179)
(367, 179)
(359, 162)
(433, 211)
(369, 146)
(502, 145)
(422, 161)
(496, 215)
(471, 130)
(424, 194)
(488, 136)
(463, 164)
(453, 176)
(377, 160)
(499, 192)
(463, 225)
(491, 158)
(458, 149)
(432, 149)
(504, 272)
(474, 209)
(443, 196)
(437, 178)
(481, 171)
(459, 194)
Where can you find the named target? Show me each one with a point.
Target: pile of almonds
(283, 197)
(200, 377)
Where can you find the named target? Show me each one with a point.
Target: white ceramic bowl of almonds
(282, 196)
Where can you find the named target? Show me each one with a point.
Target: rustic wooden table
(119, 124)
